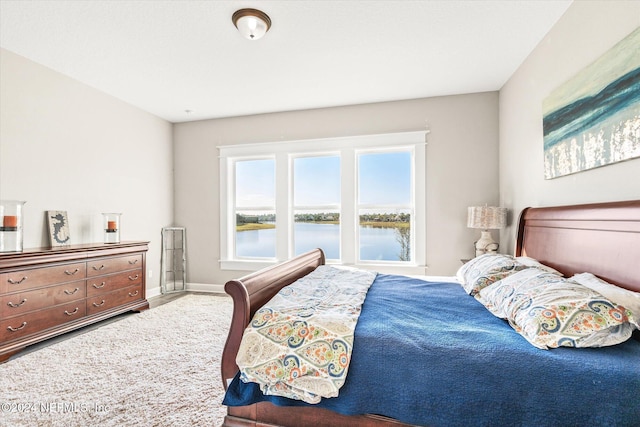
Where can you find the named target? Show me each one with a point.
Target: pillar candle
(10, 221)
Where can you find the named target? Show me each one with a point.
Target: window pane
(316, 184)
(384, 198)
(256, 234)
(255, 183)
(385, 236)
(384, 178)
(315, 229)
(316, 181)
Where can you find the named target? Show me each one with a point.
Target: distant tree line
(254, 219)
(324, 217)
(375, 217)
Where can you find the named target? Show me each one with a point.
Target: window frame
(347, 147)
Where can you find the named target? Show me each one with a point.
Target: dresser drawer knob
(95, 304)
(98, 268)
(133, 262)
(17, 282)
(68, 292)
(10, 304)
(72, 313)
(134, 277)
(101, 285)
(133, 294)
(18, 328)
(71, 273)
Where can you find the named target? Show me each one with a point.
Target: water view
(387, 243)
(382, 202)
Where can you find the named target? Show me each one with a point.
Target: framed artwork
(58, 228)
(592, 120)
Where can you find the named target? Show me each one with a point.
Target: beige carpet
(157, 368)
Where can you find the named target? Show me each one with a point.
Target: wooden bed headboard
(599, 238)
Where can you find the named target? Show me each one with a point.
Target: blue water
(375, 243)
(308, 236)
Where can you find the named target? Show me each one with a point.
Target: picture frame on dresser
(45, 292)
(58, 223)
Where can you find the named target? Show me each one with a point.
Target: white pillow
(531, 262)
(624, 297)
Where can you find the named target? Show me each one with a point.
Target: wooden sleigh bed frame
(602, 238)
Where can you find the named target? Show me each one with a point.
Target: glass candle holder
(111, 222)
(11, 225)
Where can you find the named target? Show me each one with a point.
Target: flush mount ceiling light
(251, 23)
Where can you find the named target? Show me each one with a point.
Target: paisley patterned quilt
(299, 344)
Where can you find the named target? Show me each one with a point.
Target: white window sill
(255, 265)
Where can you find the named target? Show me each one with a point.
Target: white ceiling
(166, 57)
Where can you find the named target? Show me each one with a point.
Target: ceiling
(184, 60)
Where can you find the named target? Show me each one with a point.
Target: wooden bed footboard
(251, 292)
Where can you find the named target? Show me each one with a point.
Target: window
(361, 199)
(255, 209)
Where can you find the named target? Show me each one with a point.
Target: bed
(450, 386)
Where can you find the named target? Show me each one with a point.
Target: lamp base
(486, 244)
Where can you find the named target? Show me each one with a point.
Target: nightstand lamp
(486, 218)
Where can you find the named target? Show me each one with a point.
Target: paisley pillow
(486, 269)
(550, 311)
(497, 297)
(625, 297)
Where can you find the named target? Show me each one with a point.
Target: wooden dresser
(46, 292)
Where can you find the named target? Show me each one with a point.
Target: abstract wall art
(593, 119)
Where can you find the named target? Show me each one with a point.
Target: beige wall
(461, 167)
(586, 31)
(67, 146)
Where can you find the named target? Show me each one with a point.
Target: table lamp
(486, 218)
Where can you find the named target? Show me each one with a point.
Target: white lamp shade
(486, 217)
(251, 23)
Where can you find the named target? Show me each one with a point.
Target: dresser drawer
(38, 277)
(30, 323)
(113, 299)
(22, 302)
(104, 284)
(113, 265)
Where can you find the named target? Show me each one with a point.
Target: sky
(383, 179)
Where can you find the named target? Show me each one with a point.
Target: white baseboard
(153, 292)
(205, 287)
(191, 287)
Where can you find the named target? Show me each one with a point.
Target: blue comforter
(428, 354)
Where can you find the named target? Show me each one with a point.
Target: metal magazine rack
(173, 260)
